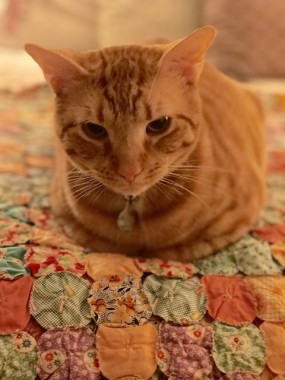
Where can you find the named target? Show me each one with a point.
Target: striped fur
(200, 184)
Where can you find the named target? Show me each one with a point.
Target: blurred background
(250, 42)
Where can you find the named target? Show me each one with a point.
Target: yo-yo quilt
(65, 314)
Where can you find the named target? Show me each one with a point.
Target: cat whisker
(82, 182)
(84, 191)
(206, 183)
(161, 187)
(97, 194)
(175, 184)
(201, 167)
(81, 189)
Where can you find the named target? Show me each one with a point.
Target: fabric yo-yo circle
(254, 257)
(223, 262)
(270, 294)
(274, 335)
(166, 268)
(68, 353)
(18, 357)
(229, 299)
(13, 233)
(278, 252)
(176, 300)
(127, 353)
(100, 265)
(119, 300)
(238, 348)
(43, 260)
(14, 299)
(60, 300)
(184, 352)
(12, 263)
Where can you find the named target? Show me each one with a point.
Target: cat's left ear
(186, 56)
(59, 67)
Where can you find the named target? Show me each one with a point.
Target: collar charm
(127, 218)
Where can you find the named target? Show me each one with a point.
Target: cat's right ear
(59, 70)
(186, 56)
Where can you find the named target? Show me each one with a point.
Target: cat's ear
(186, 56)
(59, 69)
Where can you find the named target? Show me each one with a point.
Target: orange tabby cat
(158, 153)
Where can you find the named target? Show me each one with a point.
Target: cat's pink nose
(129, 174)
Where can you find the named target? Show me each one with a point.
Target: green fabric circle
(238, 348)
(18, 363)
(176, 300)
(60, 300)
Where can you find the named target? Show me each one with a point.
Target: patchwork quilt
(66, 314)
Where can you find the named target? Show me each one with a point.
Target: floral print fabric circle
(238, 348)
(12, 262)
(68, 354)
(167, 268)
(43, 260)
(119, 300)
(185, 352)
(18, 357)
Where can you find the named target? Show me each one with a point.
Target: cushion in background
(251, 37)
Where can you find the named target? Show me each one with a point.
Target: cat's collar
(128, 216)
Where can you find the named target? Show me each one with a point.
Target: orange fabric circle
(14, 298)
(230, 299)
(274, 335)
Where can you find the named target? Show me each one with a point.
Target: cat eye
(160, 125)
(95, 131)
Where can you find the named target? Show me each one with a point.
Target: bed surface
(68, 315)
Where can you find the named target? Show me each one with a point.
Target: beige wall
(87, 24)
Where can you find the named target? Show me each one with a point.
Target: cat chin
(126, 193)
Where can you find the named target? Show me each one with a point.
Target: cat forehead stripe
(124, 79)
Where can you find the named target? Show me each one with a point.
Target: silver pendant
(127, 218)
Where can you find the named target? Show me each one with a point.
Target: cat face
(130, 133)
(127, 116)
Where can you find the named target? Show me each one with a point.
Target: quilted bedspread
(66, 313)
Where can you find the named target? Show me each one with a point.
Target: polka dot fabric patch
(166, 268)
(185, 352)
(18, 357)
(229, 299)
(68, 354)
(238, 348)
(176, 300)
(60, 300)
(119, 300)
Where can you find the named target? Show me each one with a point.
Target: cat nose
(129, 174)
